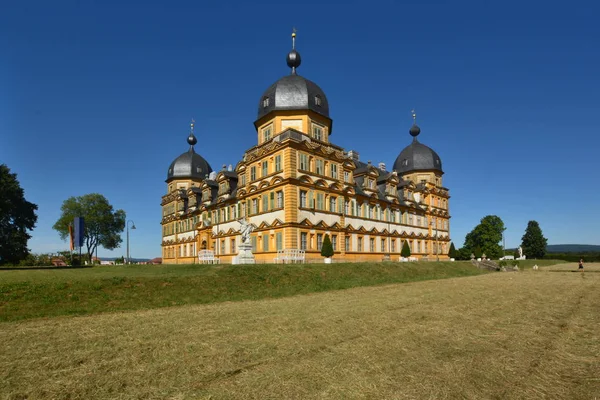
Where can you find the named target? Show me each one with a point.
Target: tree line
(484, 241)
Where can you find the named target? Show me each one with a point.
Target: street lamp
(436, 244)
(132, 227)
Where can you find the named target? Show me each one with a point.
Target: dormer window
(405, 162)
(318, 100)
(265, 102)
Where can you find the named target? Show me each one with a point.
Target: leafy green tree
(463, 254)
(452, 253)
(102, 225)
(477, 252)
(487, 236)
(327, 247)
(533, 241)
(405, 252)
(17, 216)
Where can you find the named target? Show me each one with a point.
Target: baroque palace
(295, 186)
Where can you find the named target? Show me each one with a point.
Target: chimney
(382, 166)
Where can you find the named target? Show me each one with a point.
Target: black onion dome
(189, 165)
(417, 157)
(293, 92)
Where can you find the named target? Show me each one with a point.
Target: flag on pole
(71, 238)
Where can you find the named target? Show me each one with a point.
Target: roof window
(265, 102)
(318, 100)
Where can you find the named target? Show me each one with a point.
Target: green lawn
(510, 336)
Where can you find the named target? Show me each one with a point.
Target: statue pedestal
(245, 255)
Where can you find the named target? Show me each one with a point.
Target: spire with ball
(191, 138)
(293, 57)
(414, 129)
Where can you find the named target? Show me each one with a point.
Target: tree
(102, 225)
(487, 236)
(17, 216)
(452, 253)
(327, 247)
(405, 250)
(533, 241)
(464, 254)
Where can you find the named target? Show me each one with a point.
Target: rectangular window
(272, 200)
(334, 242)
(347, 176)
(393, 245)
(252, 174)
(304, 162)
(383, 245)
(334, 174)
(223, 246)
(319, 167)
(265, 168)
(319, 241)
(279, 240)
(280, 199)
(360, 244)
(253, 241)
(277, 163)
(267, 134)
(233, 246)
(303, 237)
(317, 132)
(332, 201)
(372, 245)
(244, 179)
(303, 202)
(320, 201)
(265, 242)
(347, 243)
(265, 203)
(254, 206)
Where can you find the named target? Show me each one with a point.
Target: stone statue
(245, 229)
(520, 251)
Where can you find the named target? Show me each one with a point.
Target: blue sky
(98, 96)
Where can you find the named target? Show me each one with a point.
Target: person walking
(581, 264)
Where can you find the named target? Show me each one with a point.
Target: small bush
(327, 247)
(502, 263)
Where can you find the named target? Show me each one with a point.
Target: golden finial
(293, 38)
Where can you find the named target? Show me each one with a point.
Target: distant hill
(132, 259)
(572, 248)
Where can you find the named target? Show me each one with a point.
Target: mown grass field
(521, 335)
(28, 294)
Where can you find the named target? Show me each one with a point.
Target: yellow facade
(295, 187)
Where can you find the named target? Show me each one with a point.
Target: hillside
(572, 248)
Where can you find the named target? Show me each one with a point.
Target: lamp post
(437, 244)
(132, 227)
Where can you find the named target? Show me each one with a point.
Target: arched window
(318, 100)
(265, 102)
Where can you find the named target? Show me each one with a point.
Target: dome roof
(417, 157)
(189, 165)
(293, 92)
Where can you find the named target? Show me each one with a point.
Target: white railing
(290, 255)
(207, 257)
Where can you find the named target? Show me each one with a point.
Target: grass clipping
(526, 335)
